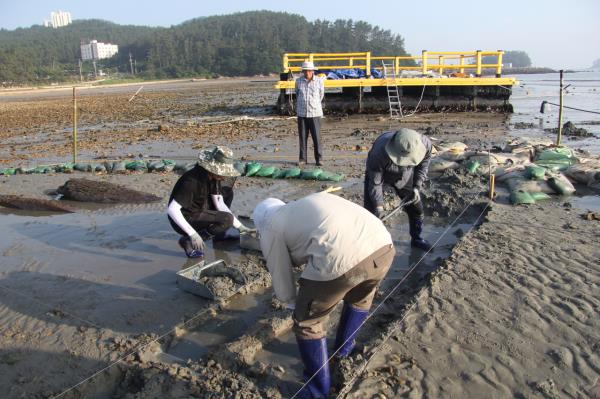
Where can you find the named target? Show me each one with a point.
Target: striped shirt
(309, 95)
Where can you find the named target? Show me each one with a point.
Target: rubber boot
(314, 355)
(415, 227)
(350, 322)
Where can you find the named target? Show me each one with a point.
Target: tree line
(246, 43)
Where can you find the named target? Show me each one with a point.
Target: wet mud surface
(97, 289)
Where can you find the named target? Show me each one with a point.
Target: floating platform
(443, 86)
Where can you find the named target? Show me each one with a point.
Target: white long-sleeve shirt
(329, 234)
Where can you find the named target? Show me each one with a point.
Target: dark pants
(414, 211)
(312, 125)
(213, 222)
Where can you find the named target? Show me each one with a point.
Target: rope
(410, 271)
(573, 108)
(393, 330)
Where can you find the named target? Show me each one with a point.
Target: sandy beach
(506, 305)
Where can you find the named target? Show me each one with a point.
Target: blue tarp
(352, 73)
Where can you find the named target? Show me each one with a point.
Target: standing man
(310, 91)
(399, 159)
(347, 252)
(200, 205)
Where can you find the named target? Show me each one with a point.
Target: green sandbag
(330, 176)
(539, 196)
(252, 168)
(310, 174)
(7, 172)
(555, 154)
(293, 173)
(520, 197)
(279, 173)
(42, 169)
(535, 172)
(165, 167)
(472, 166)
(100, 168)
(136, 166)
(555, 165)
(24, 171)
(266, 171)
(64, 168)
(118, 167)
(559, 187)
(240, 167)
(82, 167)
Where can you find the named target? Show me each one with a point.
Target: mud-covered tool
(197, 279)
(404, 203)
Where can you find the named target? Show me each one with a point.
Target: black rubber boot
(415, 226)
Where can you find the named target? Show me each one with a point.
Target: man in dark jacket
(199, 204)
(399, 159)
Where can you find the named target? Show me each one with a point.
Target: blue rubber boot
(314, 355)
(350, 322)
(415, 227)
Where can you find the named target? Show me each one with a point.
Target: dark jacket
(381, 169)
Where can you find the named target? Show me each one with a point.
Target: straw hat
(406, 148)
(219, 161)
(308, 66)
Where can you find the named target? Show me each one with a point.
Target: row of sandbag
(257, 169)
(164, 165)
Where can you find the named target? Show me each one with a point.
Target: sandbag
(553, 154)
(310, 174)
(440, 164)
(64, 168)
(24, 171)
(118, 167)
(8, 172)
(561, 185)
(279, 173)
(585, 173)
(293, 173)
(136, 166)
(330, 176)
(520, 197)
(252, 168)
(531, 186)
(100, 168)
(167, 166)
(240, 167)
(534, 172)
(472, 166)
(265, 171)
(556, 165)
(82, 167)
(153, 165)
(42, 169)
(539, 196)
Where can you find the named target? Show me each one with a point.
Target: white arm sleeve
(221, 206)
(174, 211)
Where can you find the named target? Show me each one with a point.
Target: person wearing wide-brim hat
(310, 90)
(199, 203)
(399, 159)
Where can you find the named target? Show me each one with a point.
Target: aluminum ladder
(389, 72)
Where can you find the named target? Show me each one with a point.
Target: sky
(555, 33)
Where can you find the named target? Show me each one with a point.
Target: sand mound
(102, 192)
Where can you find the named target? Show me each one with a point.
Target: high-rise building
(95, 50)
(58, 19)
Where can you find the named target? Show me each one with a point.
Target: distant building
(58, 19)
(95, 50)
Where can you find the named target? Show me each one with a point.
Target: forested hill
(246, 43)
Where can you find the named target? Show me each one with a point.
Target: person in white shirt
(310, 91)
(347, 252)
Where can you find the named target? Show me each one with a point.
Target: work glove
(196, 242)
(243, 229)
(416, 196)
(379, 212)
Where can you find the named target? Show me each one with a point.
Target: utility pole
(95, 70)
(80, 74)
(131, 64)
(135, 66)
(560, 110)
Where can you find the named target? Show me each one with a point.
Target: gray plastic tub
(189, 279)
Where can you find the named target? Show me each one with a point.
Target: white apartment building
(95, 50)
(58, 19)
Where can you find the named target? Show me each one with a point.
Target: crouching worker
(347, 252)
(199, 204)
(398, 159)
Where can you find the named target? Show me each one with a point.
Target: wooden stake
(560, 110)
(74, 126)
(492, 186)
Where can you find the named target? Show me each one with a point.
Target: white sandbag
(587, 172)
(517, 172)
(438, 164)
(530, 186)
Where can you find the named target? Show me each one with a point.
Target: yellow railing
(429, 60)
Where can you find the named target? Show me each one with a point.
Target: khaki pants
(357, 287)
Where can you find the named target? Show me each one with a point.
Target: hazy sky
(557, 34)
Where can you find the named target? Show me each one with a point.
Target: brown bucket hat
(219, 161)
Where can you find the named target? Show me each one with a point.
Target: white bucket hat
(406, 148)
(308, 66)
(264, 210)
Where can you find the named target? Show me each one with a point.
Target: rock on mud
(103, 192)
(33, 204)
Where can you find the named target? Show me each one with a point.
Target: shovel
(403, 203)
